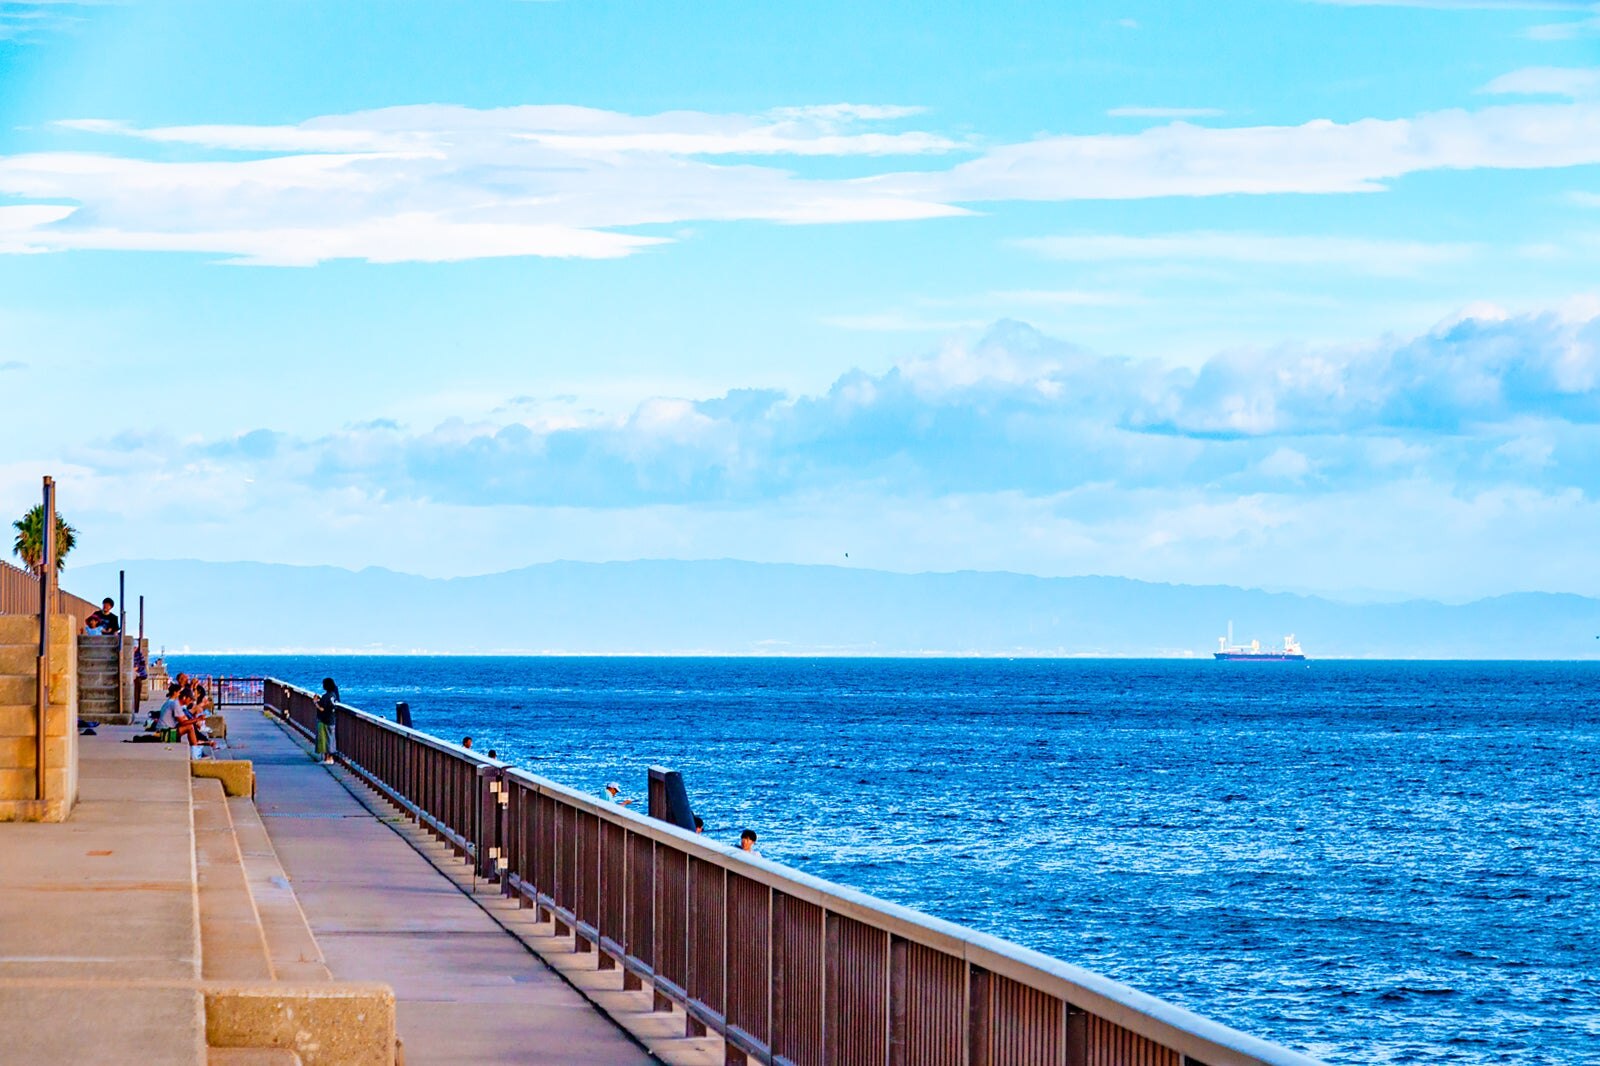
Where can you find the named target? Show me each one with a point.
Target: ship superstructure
(1254, 652)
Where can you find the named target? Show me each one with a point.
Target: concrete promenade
(466, 990)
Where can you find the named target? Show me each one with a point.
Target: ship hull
(1259, 657)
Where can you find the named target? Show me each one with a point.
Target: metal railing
(19, 594)
(236, 691)
(788, 968)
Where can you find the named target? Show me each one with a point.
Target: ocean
(1371, 862)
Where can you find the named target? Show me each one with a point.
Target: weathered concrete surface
(48, 1023)
(237, 775)
(466, 990)
(325, 1024)
(109, 894)
(96, 903)
(232, 945)
(292, 949)
(19, 727)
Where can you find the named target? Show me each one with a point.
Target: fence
(19, 594)
(235, 691)
(788, 968)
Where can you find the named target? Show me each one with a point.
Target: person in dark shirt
(325, 705)
(108, 615)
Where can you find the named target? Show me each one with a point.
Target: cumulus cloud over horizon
(1404, 464)
(1483, 399)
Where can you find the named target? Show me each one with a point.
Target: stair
(269, 997)
(97, 680)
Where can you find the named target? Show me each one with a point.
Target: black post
(122, 637)
(402, 714)
(47, 559)
(669, 798)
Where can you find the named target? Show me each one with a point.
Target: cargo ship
(1255, 653)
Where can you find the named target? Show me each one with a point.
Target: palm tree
(29, 545)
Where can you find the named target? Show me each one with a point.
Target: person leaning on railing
(325, 705)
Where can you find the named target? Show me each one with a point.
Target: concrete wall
(19, 651)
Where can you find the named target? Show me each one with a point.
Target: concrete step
(233, 946)
(292, 949)
(48, 1024)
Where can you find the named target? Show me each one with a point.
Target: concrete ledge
(349, 1024)
(252, 1056)
(238, 776)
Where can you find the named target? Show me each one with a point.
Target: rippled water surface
(1370, 862)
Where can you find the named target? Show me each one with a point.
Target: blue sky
(1290, 294)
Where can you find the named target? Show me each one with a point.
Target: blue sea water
(1367, 861)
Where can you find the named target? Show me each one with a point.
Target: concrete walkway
(466, 990)
(98, 925)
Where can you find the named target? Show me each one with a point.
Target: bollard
(402, 714)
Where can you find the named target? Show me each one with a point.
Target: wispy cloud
(1465, 5)
(1383, 257)
(28, 20)
(1574, 83)
(1133, 111)
(1571, 30)
(438, 183)
(1317, 157)
(12, 364)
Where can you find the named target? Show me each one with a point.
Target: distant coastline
(725, 609)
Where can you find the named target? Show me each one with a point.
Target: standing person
(325, 705)
(141, 674)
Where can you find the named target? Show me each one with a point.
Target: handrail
(786, 966)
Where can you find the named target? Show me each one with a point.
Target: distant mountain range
(741, 608)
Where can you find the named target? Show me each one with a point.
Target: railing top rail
(1166, 1023)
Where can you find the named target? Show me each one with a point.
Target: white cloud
(1572, 30)
(1011, 449)
(1575, 83)
(1465, 5)
(1133, 111)
(823, 130)
(1317, 157)
(20, 226)
(1009, 411)
(435, 182)
(1371, 256)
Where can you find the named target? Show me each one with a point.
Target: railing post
(491, 794)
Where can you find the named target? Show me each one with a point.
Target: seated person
(92, 627)
(165, 717)
(191, 723)
(108, 615)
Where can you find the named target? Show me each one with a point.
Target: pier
(418, 902)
